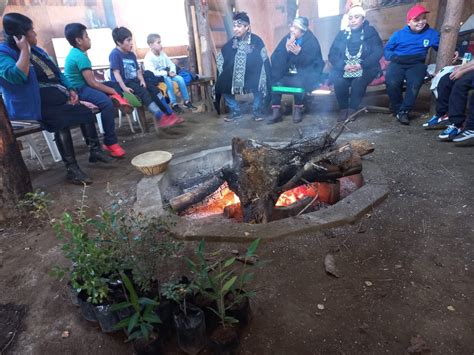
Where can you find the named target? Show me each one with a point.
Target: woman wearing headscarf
(243, 67)
(297, 63)
(33, 88)
(354, 56)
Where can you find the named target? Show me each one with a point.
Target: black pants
(357, 87)
(453, 96)
(414, 75)
(295, 81)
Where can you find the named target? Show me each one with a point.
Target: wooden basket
(152, 163)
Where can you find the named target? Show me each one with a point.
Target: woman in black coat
(296, 62)
(354, 56)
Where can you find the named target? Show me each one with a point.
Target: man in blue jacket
(407, 50)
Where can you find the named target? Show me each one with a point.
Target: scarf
(240, 63)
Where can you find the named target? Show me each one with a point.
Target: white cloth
(437, 78)
(157, 64)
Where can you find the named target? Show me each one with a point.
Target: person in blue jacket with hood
(33, 88)
(407, 50)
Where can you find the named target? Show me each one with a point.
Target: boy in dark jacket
(407, 50)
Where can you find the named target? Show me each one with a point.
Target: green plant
(140, 324)
(177, 292)
(37, 203)
(93, 262)
(219, 278)
(92, 257)
(141, 243)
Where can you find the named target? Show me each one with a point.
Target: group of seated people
(296, 67)
(34, 88)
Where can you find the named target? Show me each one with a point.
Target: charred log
(181, 202)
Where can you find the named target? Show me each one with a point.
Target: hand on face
(22, 43)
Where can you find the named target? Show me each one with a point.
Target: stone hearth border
(348, 210)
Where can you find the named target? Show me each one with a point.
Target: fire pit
(155, 192)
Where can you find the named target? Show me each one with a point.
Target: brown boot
(276, 116)
(297, 113)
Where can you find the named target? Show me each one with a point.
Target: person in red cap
(407, 50)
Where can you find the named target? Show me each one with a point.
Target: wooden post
(449, 32)
(204, 38)
(191, 29)
(15, 180)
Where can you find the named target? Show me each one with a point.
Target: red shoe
(115, 151)
(121, 103)
(170, 120)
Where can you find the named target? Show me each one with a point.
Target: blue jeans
(182, 88)
(234, 106)
(107, 110)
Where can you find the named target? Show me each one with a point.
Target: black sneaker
(402, 117)
(465, 138)
(177, 109)
(190, 106)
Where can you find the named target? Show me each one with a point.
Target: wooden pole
(197, 43)
(191, 38)
(449, 33)
(15, 180)
(204, 38)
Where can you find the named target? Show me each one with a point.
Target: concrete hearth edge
(349, 210)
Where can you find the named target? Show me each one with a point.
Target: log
(260, 173)
(15, 180)
(182, 202)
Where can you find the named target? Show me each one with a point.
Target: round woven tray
(152, 163)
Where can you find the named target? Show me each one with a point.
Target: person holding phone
(34, 88)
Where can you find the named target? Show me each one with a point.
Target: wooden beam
(205, 42)
(15, 180)
(449, 32)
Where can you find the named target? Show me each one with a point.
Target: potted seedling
(189, 320)
(141, 324)
(221, 281)
(93, 266)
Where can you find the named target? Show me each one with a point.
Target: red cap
(416, 11)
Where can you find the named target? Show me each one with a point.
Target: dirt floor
(407, 268)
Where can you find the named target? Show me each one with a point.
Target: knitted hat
(356, 10)
(301, 23)
(416, 11)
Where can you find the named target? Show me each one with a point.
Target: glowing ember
(291, 196)
(214, 203)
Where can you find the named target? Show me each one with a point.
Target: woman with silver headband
(354, 56)
(297, 63)
(243, 67)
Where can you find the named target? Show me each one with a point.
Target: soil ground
(401, 266)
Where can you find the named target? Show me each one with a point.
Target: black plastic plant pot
(240, 311)
(73, 295)
(106, 317)
(224, 340)
(87, 309)
(206, 303)
(152, 346)
(191, 329)
(165, 311)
